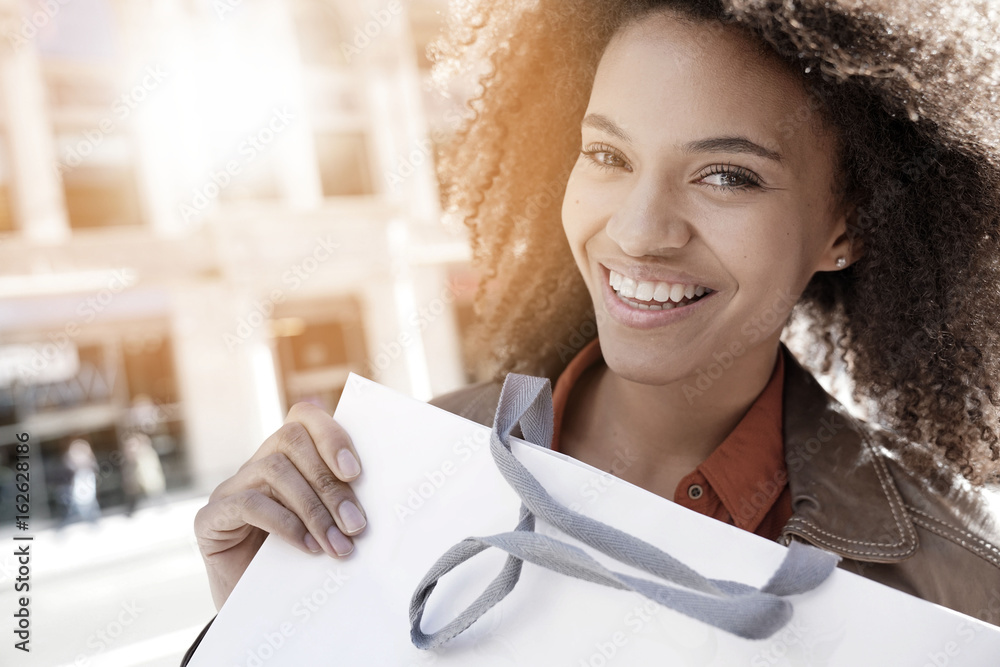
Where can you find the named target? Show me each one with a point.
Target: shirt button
(695, 491)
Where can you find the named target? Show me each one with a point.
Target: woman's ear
(846, 241)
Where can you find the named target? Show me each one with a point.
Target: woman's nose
(649, 221)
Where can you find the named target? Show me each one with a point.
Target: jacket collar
(843, 497)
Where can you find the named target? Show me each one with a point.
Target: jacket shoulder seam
(888, 485)
(971, 542)
(891, 492)
(808, 530)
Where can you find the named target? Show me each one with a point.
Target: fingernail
(352, 517)
(349, 465)
(311, 543)
(341, 545)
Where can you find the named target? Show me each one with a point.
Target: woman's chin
(652, 368)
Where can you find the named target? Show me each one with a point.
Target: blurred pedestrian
(142, 472)
(144, 414)
(80, 494)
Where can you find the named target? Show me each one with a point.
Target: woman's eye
(728, 177)
(605, 158)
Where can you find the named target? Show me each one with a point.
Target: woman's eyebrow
(601, 122)
(731, 144)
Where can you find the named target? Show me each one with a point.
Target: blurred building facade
(210, 210)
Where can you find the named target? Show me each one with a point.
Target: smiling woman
(655, 191)
(689, 205)
(728, 168)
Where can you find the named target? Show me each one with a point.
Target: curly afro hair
(909, 87)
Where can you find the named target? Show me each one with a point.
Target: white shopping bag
(430, 481)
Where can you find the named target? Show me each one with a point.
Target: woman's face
(704, 170)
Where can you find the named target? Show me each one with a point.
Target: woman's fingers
(323, 432)
(303, 471)
(319, 446)
(224, 522)
(317, 502)
(296, 485)
(302, 483)
(291, 467)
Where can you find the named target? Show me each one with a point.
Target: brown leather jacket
(853, 496)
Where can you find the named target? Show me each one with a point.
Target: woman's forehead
(662, 77)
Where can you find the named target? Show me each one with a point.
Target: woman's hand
(295, 485)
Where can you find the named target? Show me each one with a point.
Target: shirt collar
(746, 471)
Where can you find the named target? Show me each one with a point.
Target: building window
(122, 384)
(317, 25)
(256, 181)
(6, 216)
(318, 345)
(71, 88)
(343, 164)
(98, 181)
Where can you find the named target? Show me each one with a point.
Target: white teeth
(666, 293)
(644, 291)
(627, 288)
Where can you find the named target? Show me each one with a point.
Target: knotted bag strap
(737, 608)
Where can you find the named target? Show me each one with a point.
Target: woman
(683, 179)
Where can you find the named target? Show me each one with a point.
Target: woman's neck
(654, 435)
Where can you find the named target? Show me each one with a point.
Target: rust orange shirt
(743, 482)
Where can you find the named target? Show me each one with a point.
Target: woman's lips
(636, 318)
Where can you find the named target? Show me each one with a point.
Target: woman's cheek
(580, 217)
(570, 206)
(572, 227)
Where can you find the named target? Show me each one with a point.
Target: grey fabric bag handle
(737, 608)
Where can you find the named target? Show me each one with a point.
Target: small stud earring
(841, 262)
